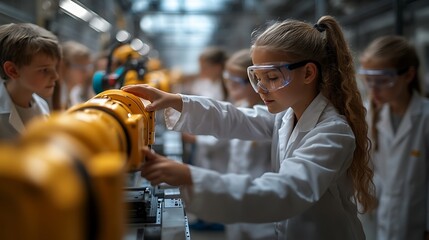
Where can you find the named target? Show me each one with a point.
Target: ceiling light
(75, 10)
(99, 24)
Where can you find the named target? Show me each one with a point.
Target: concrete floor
(197, 235)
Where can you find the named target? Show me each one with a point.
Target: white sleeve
(204, 116)
(319, 160)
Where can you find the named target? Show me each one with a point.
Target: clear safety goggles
(380, 78)
(271, 78)
(234, 79)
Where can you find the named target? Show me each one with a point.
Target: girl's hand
(158, 169)
(159, 99)
(188, 138)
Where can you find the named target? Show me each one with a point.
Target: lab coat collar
(413, 112)
(384, 126)
(4, 98)
(308, 120)
(15, 120)
(7, 106)
(311, 115)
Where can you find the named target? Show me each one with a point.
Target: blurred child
(204, 150)
(209, 82)
(76, 71)
(207, 151)
(29, 64)
(246, 157)
(399, 129)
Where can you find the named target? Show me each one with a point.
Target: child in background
(209, 82)
(399, 129)
(246, 157)
(207, 151)
(76, 71)
(29, 65)
(316, 121)
(202, 150)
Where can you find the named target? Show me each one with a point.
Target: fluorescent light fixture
(123, 36)
(75, 10)
(136, 44)
(145, 49)
(99, 24)
(78, 10)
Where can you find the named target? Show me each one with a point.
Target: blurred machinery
(65, 178)
(128, 64)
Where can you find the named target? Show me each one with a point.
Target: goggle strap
(382, 71)
(402, 71)
(301, 64)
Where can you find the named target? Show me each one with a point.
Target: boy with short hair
(29, 61)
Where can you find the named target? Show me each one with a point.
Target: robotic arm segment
(65, 177)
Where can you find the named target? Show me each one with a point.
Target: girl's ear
(410, 74)
(11, 70)
(310, 73)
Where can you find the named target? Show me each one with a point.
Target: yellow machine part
(158, 79)
(153, 64)
(37, 189)
(154, 76)
(64, 179)
(45, 195)
(137, 125)
(125, 52)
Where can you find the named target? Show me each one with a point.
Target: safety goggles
(270, 78)
(376, 78)
(235, 79)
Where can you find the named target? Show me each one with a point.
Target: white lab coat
(309, 193)
(11, 125)
(211, 153)
(401, 173)
(253, 158)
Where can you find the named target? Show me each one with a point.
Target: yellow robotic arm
(64, 179)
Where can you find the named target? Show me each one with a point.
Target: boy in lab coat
(29, 59)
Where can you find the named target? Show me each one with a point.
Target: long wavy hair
(325, 43)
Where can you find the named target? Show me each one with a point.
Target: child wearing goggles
(399, 130)
(246, 157)
(272, 77)
(314, 117)
(380, 78)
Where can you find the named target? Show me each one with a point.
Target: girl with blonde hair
(314, 117)
(399, 129)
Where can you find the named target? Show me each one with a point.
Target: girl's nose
(262, 89)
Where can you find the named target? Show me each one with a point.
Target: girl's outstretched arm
(159, 99)
(158, 169)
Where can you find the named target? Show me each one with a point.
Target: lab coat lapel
(285, 133)
(8, 107)
(15, 120)
(412, 113)
(307, 121)
(384, 126)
